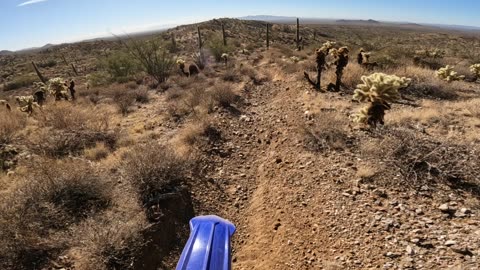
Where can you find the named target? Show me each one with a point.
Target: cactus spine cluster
(321, 55)
(448, 74)
(379, 90)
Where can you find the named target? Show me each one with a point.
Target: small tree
(379, 90)
(153, 58)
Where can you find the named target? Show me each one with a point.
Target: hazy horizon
(35, 23)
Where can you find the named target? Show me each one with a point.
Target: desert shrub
(154, 59)
(124, 99)
(218, 49)
(10, 124)
(62, 116)
(141, 95)
(120, 66)
(328, 131)
(48, 63)
(231, 75)
(69, 130)
(223, 94)
(200, 59)
(98, 78)
(20, 81)
(153, 169)
(411, 160)
(35, 216)
(61, 143)
(109, 244)
(100, 151)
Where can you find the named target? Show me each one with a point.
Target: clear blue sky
(25, 23)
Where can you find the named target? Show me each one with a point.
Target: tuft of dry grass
(153, 169)
(327, 132)
(223, 94)
(52, 198)
(10, 124)
(100, 151)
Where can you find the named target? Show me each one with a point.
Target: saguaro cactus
(39, 74)
(174, 42)
(341, 61)
(224, 36)
(200, 43)
(321, 55)
(298, 39)
(74, 69)
(268, 37)
(379, 90)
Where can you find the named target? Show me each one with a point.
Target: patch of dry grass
(328, 131)
(10, 124)
(54, 196)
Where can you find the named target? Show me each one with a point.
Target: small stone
(465, 211)
(410, 250)
(392, 255)
(444, 207)
(450, 243)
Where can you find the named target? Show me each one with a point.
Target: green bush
(120, 66)
(20, 81)
(217, 48)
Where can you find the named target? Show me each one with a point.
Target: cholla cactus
(26, 103)
(181, 64)
(57, 88)
(225, 58)
(295, 59)
(448, 74)
(475, 69)
(379, 90)
(327, 46)
(341, 61)
(321, 53)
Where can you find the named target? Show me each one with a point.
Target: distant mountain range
(277, 19)
(286, 19)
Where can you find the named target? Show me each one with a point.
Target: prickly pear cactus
(448, 74)
(379, 90)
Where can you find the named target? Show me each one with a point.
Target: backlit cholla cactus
(379, 90)
(295, 59)
(321, 55)
(341, 61)
(40, 94)
(57, 88)
(225, 58)
(448, 74)
(26, 103)
(475, 69)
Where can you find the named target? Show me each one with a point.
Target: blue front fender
(208, 247)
